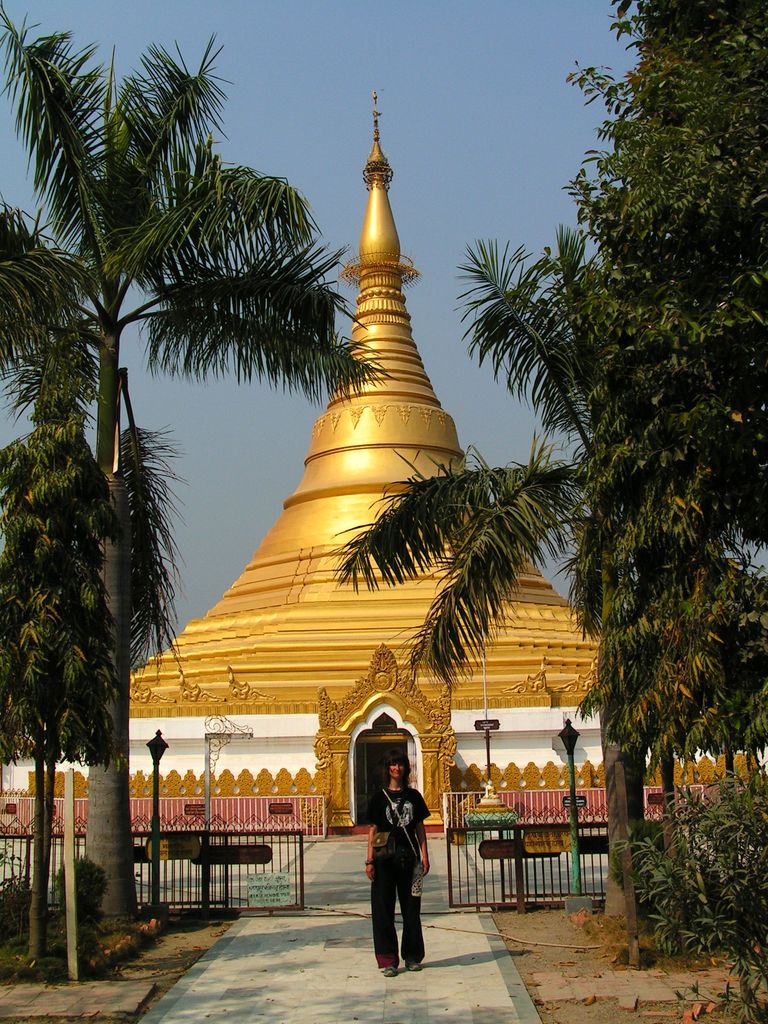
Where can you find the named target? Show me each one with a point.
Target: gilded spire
(379, 241)
(377, 170)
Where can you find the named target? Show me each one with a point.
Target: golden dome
(285, 628)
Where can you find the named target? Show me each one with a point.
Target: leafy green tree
(56, 668)
(677, 206)
(217, 264)
(710, 896)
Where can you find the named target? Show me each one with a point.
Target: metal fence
(306, 814)
(528, 865)
(535, 807)
(203, 871)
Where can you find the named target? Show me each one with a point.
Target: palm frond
(168, 108)
(210, 214)
(520, 323)
(146, 459)
(39, 284)
(479, 529)
(274, 321)
(58, 99)
(42, 367)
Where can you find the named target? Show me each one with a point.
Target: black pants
(391, 877)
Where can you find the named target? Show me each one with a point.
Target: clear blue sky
(483, 133)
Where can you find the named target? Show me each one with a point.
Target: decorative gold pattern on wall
(264, 783)
(530, 777)
(383, 683)
(470, 779)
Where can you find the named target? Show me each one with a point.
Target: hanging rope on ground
(465, 931)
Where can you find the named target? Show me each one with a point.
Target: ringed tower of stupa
(316, 673)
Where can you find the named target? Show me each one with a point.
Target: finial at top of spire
(377, 170)
(376, 116)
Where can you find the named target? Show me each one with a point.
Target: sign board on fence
(654, 799)
(487, 723)
(581, 801)
(9, 809)
(176, 847)
(546, 840)
(497, 849)
(257, 853)
(281, 807)
(270, 890)
(196, 810)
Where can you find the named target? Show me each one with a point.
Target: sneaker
(413, 966)
(390, 972)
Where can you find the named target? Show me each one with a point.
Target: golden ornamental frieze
(143, 693)
(192, 693)
(383, 677)
(244, 690)
(204, 708)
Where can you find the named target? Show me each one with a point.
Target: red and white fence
(229, 814)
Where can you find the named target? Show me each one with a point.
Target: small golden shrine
(316, 670)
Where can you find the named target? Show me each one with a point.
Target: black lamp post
(157, 747)
(569, 736)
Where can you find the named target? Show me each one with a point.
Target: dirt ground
(174, 952)
(548, 942)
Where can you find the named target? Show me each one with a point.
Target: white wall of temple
(524, 735)
(279, 741)
(287, 741)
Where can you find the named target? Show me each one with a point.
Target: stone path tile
(86, 999)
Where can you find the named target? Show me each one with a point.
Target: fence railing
(528, 865)
(535, 807)
(198, 871)
(545, 806)
(306, 814)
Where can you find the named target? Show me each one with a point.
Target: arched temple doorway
(383, 709)
(369, 751)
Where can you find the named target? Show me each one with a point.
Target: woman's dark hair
(395, 756)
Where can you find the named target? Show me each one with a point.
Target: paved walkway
(318, 967)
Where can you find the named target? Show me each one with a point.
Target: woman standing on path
(401, 810)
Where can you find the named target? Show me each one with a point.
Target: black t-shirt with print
(411, 809)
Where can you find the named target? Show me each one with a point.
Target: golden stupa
(286, 644)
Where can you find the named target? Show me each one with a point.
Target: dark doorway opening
(371, 748)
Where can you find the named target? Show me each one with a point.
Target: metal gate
(528, 865)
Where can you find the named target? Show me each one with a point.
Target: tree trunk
(38, 906)
(633, 775)
(668, 789)
(612, 755)
(109, 838)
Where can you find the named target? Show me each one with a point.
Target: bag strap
(396, 813)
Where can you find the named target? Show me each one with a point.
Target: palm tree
(481, 525)
(216, 264)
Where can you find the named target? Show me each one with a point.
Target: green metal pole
(156, 834)
(574, 818)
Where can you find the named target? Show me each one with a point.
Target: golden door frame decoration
(338, 719)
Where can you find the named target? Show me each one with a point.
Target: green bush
(708, 892)
(639, 831)
(15, 896)
(90, 887)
